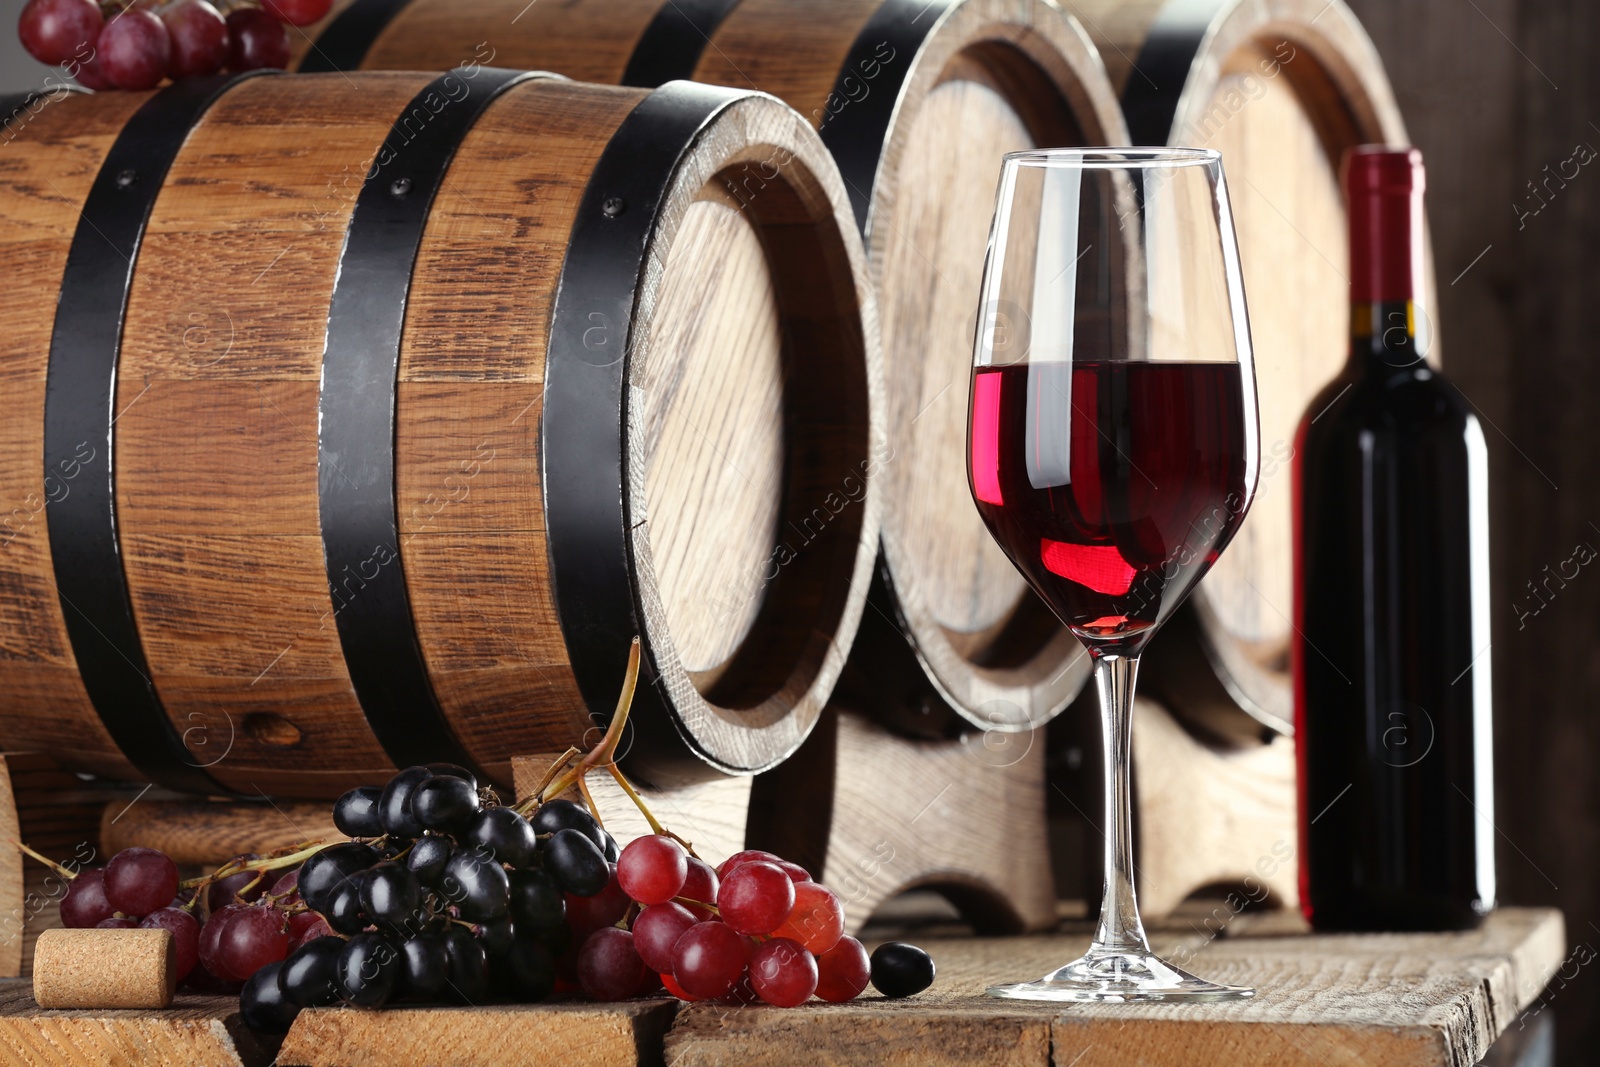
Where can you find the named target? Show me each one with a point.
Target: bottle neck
(1383, 336)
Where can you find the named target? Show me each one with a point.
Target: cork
(104, 969)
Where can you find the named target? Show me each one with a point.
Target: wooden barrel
(1281, 88)
(918, 100)
(424, 394)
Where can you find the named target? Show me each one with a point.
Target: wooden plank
(197, 1031)
(1394, 1000)
(572, 1034)
(209, 833)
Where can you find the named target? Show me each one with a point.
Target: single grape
(469, 966)
(141, 880)
(394, 806)
(424, 966)
(344, 912)
(392, 896)
(675, 989)
(298, 12)
(445, 803)
(503, 834)
(427, 858)
(455, 770)
(477, 886)
(843, 971)
(256, 40)
(537, 904)
(85, 903)
(321, 874)
(368, 968)
(527, 971)
(306, 926)
(212, 957)
(286, 890)
(652, 869)
(55, 31)
(247, 886)
(708, 959)
(356, 812)
(783, 973)
(609, 967)
(199, 38)
(795, 872)
(755, 897)
(817, 919)
(309, 977)
(134, 49)
(496, 936)
(588, 914)
(656, 931)
(700, 883)
(262, 1004)
(554, 816)
(116, 923)
(256, 936)
(577, 863)
(185, 929)
(901, 970)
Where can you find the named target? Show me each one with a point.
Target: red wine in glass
(1112, 485)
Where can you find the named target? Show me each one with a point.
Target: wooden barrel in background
(1281, 88)
(429, 393)
(918, 100)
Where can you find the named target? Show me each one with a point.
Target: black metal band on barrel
(857, 115)
(1150, 100)
(356, 425)
(583, 430)
(79, 417)
(671, 46)
(345, 42)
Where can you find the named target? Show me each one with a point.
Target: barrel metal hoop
(671, 46)
(79, 420)
(855, 127)
(1150, 99)
(356, 425)
(344, 43)
(583, 432)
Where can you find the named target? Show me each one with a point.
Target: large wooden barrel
(1281, 88)
(918, 100)
(378, 412)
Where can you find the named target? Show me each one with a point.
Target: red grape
(306, 926)
(843, 971)
(652, 869)
(609, 968)
(256, 40)
(708, 959)
(90, 74)
(115, 923)
(298, 12)
(85, 903)
(199, 38)
(54, 31)
(254, 938)
(134, 49)
(657, 930)
(755, 897)
(782, 973)
(700, 884)
(141, 880)
(211, 957)
(231, 889)
(588, 914)
(185, 935)
(817, 919)
(286, 887)
(795, 872)
(675, 989)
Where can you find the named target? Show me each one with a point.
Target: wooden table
(1419, 1000)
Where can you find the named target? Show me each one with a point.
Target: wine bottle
(1391, 659)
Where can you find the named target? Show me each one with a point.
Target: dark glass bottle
(1392, 681)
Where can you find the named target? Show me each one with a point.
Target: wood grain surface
(197, 1031)
(208, 833)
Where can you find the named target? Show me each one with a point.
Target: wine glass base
(1118, 978)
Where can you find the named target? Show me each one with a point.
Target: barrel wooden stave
(217, 471)
(1281, 88)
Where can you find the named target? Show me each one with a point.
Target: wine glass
(1112, 448)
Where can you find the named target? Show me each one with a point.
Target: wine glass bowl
(1113, 447)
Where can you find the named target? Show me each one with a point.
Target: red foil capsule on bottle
(1383, 187)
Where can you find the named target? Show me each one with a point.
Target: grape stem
(691, 903)
(606, 751)
(297, 855)
(47, 861)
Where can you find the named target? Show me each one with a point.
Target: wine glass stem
(1120, 929)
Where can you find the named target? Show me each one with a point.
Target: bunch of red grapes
(442, 894)
(135, 44)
